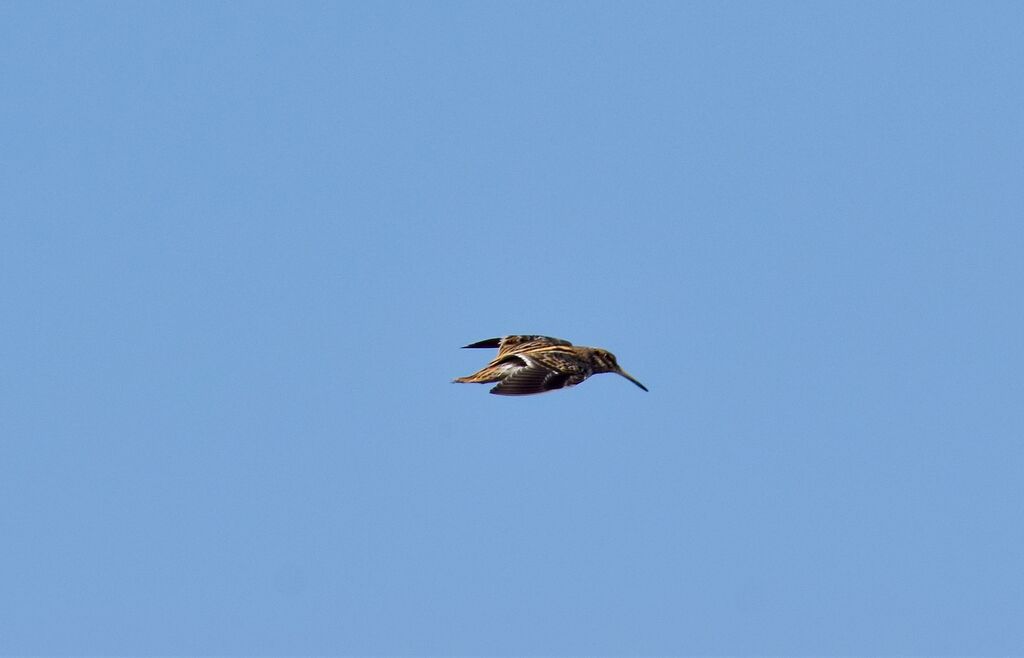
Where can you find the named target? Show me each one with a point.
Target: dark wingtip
(490, 342)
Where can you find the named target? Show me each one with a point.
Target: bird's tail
(488, 375)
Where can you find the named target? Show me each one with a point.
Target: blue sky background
(242, 243)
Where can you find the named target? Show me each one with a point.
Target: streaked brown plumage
(526, 365)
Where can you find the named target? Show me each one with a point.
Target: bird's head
(604, 361)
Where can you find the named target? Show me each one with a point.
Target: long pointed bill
(631, 378)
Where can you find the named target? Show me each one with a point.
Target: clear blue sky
(241, 244)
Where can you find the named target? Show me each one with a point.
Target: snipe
(526, 365)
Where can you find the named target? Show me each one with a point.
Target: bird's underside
(528, 364)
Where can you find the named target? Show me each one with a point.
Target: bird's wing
(542, 372)
(530, 380)
(513, 344)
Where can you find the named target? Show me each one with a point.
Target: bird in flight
(526, 365)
